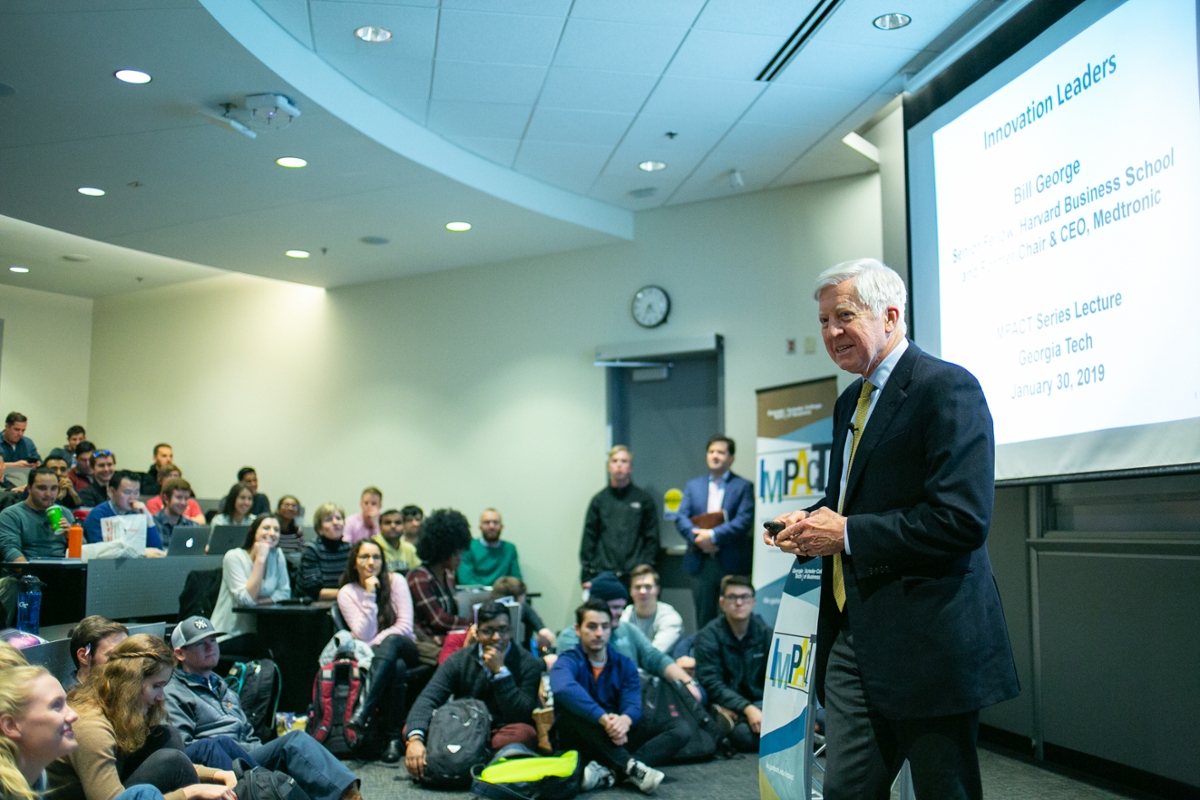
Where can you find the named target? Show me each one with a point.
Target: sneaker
(646, 779)
(596, 777)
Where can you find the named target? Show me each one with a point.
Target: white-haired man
(911, 639)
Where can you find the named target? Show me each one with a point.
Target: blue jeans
(306, 760)
(217, 752)
(142, 792)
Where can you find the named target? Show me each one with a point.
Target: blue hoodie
(617, 691)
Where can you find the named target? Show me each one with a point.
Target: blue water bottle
(29, 605)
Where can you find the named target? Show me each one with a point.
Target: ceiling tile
(845, 66)
(830, 159)
(502, 151)
(731, 56)
(611, 188)
(497, 38)
(852, 22)
(703, 97)
(616, 46)
(771, 17)
(571, 166)
(413, 30)
(493, 120)
(783, 104)
(749, 137)
(486, 83)
(584, 127)
(596, 90)
(547, 8)
(646, 139)
(292, 15)
(660, 12)
(403, 85)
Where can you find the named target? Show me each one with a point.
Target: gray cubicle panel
(55, 655)
(128, 588)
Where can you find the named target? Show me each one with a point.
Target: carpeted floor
(1004, 778)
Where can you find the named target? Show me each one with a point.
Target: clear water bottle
(29, 605)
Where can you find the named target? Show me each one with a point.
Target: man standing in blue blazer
(911, 638)
(719, 549)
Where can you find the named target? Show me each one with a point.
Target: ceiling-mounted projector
(259, 114)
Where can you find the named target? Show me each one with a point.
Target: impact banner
(795, 435)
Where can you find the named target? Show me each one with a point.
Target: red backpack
(335, 695)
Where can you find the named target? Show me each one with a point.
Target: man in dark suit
(911, 639)
(721, 549)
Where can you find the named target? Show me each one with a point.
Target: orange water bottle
(75, 541)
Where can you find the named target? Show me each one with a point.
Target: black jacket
(93, 495)
(733, 672)
(619, 532)
(510, 699)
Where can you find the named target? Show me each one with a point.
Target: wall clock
(650, 306)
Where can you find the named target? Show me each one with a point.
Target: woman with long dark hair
(123, 736)
(253, 574)
(377, 609)
(235, 507)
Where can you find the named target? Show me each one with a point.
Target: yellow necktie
(860, 420)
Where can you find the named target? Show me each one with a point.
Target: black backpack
(260, 783)
(199, 595)
(664, 701)
(258, 684)
(459, 739)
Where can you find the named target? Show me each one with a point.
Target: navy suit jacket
(923, 608)
(733, 538)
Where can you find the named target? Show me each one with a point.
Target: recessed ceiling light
(373, 34)
(291, 162)
(651, 166)
(296, 253)
(131, 76)
(18, 269)
(889, 22)
(458, 227)
(91, 191)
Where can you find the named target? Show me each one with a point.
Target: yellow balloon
(672, 499)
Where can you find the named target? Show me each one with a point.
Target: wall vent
(815, 19)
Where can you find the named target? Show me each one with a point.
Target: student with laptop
(176, 494)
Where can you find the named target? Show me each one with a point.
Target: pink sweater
(362, 614)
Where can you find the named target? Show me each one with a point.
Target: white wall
(471, 387)
(45, 362)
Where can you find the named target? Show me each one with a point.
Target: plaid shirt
(433, 602)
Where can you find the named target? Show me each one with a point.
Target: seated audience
(173, 504)
(76, 435)
(398, 554)
(377, 609)
(731, 661)
(104, 464)
(598, 705)
(123, 501)
(25, 531)
(253, 574)
(504, 677)
(80, 472)
(661, 623)
(123, 736)
(412, 517)
(67, 496)
(37, 728)
(444, 537)
(488, 559)
(365, 523)
(626, 638)
(248, 477)
(163, 455)
(91, 642)
(324, 559)
(236, 507)
(291, 535)
(155, 504)
(530, 621)
(17, 449)
(203, 707)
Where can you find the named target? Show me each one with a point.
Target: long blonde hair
(114, 692)
(16, 692)
(10, 656)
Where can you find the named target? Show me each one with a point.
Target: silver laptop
(226, 537)
(189, 540)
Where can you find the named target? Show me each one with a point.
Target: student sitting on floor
(530, 621)
(502, 674)
(203, 708)
(598, 705)
(731, 661)
(661, 623)
(444, 537)
(91, 642)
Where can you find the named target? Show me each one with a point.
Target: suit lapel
(893, 397)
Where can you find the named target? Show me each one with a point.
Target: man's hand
(789, 521)
(154, 552)
(65, 524)
(226, 777)
(546, 639)
(703, 539)
(208, 791)
(616, 727)
(414, 758)
(754, 717)
(471, 638)
(822, 533)
(138, 505)
(694, 689)
(494, 658)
